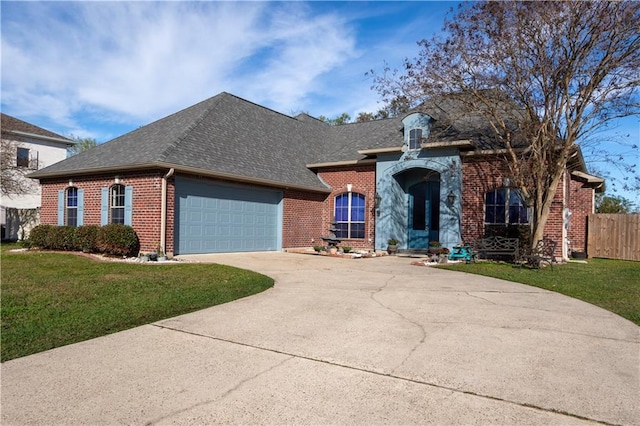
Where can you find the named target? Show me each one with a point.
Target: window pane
(501, 196)
(342, 230)
(72, 197)
(523, 215)
(514, 214)
(500, 214)
(342, 208)
(490, 214)
(23, 157)
(415, 136)
(357, 230)
(117, 196)
(490, 198)
(117, 215)
(72, 217)
(357, 208)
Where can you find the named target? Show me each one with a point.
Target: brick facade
(147, 196)
(363, 181)
(307, 215)
(581, 204)
(480, 174)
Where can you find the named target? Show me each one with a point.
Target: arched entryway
(423, 214)
(421, 188)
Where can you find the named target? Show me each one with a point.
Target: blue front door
(424, 212)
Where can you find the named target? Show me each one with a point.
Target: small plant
(318, 248)
(393, 241)
(346, 249)
(434, 244)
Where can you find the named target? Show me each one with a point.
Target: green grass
(611, 284)
(54, 299)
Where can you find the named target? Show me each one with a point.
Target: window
(504, 206)
(22, 159)
(71, 206)
(415, 138)
(117, 204)
(349, 212)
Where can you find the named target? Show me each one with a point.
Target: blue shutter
(61, 207)
(104, 207)
(128, 205)
(80, 207)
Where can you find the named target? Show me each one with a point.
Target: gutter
(192, 170)
(163, 211)
(46, 138)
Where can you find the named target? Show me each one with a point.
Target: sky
(101, 69)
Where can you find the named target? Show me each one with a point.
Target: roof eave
(46, 138)
(243, 179)
(341, 163)
(587, 178)
(177, 168)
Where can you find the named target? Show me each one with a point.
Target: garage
(221, 218)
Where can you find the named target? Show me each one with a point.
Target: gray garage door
(215, 218)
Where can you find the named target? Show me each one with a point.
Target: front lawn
(611, 284)
(54, 299)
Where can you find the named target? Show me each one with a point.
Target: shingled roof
(229, 137)
(13, 125)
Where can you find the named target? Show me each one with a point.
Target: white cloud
(135, 61)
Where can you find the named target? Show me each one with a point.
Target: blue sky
(101, 69)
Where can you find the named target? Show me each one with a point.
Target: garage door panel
(219, 218)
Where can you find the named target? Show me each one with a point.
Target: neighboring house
(26, 148)
(228, 175)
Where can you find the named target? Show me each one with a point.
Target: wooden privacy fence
(614, 236)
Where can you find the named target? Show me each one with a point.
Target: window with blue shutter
(128, 205)
(104, 206)
(61, 199)
(71, 207)
(80, 208)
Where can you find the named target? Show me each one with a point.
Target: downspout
(566, 215)
(163, 211)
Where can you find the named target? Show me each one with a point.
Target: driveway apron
(341, 341)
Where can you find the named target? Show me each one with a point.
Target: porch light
(451, 198)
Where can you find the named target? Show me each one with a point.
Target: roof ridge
(215, 100)
(258, 105)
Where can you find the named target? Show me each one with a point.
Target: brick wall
(482, 174)
(479, 175)
(308, 216)
(580, 202)
(302, 221)
(146, 203)
(363, 181)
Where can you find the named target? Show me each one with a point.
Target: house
(228, 175)
(26, 148)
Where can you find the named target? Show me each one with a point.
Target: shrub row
(114, 239)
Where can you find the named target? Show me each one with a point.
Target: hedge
(114, 239)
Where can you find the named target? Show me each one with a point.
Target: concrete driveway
(368, 341)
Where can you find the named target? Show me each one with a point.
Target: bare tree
(545, 76)
(12, 178)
